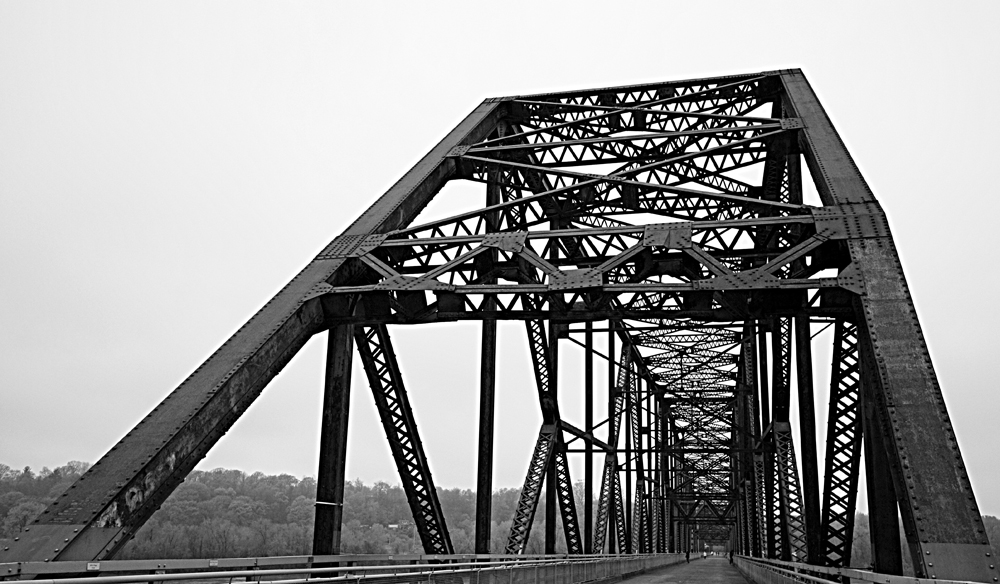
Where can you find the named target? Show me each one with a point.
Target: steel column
(552, 393)
(609, 510)
(484, 475)
(794, 527)
(588, 415)
(807, 440)
(843, 447)
(333, 441)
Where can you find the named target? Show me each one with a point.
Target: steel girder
(789, 498)
(843, 447)
(524, 513)
(400, 428)
(673, 212)
(333, 441)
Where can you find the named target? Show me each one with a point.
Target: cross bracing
(670, 218)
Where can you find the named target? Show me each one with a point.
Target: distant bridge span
(668, 218)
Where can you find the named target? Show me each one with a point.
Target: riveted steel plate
(575, 279)
(408, 283)
(669, 235)
(352, 246)
(851, 221)
(751, 279)
(512, 241)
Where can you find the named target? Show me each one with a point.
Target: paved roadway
(712, 570)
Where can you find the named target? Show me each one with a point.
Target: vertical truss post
(791, 503)
(672, 546)
(762, 380)
(484, 476)
(551, 499)
(782, 549)
(605, 506)
(779, 184)
(622, 539)
(749, 361)
(333, 441)
(635, 454)
(763, 527)
(739, 433)
(744, 520)
(654, 472)
(487, 377)
(642, 475)
(552, 363)
(559, 473)
(606, 512)
(588, 415)
(843, 447)
(674, 482)
(766, 447)
(652, 518)
(781, 363)
(807, 440)
(400, 428)
(609, 510)
(630, 525)
(656, 501)
(621, 509)
(772, 523)
(663, 423)
(567, 504)
(781, 356)
(750, 432)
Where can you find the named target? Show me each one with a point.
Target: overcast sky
(166, 167)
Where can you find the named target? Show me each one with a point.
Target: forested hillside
(228, 513)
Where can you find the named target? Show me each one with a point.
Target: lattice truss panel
(696, 364)
(672, 217)
(627, 204)
(677, 203)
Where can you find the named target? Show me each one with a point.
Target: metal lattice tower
(669, 217)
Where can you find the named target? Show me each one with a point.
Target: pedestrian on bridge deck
(687, 556)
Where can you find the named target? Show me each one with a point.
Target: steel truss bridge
(670, 219)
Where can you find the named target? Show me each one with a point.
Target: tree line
(229, 513)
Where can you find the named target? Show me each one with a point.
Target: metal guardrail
(249, 563)
(761, 571)
(349, 569)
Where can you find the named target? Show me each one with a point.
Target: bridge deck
(712, 570)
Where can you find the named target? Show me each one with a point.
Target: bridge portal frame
(887, 394)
